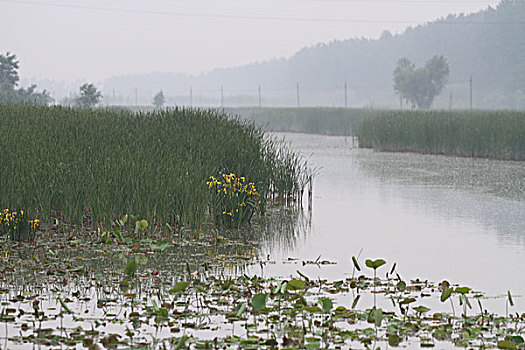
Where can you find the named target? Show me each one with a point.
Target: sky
(69, 40)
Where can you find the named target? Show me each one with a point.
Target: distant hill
(489, 45)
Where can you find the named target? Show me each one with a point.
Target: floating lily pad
(374, 264)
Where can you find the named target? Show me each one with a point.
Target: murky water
(438, 217)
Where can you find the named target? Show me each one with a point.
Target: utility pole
(260, 100)
(450, 101)
(113, 97)
(400, 102)
(136, 97)
(346, 97)
(222, 97)
(191, 96)
(298, 98)
(470, 82)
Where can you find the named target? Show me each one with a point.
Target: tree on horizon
(420, 86)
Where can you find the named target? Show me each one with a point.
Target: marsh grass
(487, 134)
(92, 166)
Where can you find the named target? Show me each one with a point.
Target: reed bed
(92, 166)
(321, 120)
(487, 134)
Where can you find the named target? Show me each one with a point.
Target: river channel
(438, 217)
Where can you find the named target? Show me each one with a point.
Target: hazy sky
(95, 39)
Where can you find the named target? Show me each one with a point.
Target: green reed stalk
(487, 134)
(93, 166)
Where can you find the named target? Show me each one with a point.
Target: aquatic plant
(119, 228)
(233, 199)
(131, 297)
(17, 225)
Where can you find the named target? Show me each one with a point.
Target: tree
(420, 86)
(9, 81)
(8, 70)
(159, 100)
(30, 96)
(89, 96)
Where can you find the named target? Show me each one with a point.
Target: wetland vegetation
(192, 291)
(486, 134)
(91, 166)
(95, 278)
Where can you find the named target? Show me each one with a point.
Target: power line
(201, 15)
(243, 17)
(227, 90)
(407, 1)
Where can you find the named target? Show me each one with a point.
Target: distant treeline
(488, 45)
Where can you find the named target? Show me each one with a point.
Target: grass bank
(488, 134)
(324, 121)
(95, 165)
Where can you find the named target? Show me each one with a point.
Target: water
(438, 217)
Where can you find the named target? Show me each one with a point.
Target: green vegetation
(418, 87)
(127, 287)
(234, 199)
(159, 99)
(195, 293)
(9, 93)
(89, 96)
(490, 134)
(326, 121)
(92, 166)
(17, 225)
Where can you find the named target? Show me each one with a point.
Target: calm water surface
(438, 217)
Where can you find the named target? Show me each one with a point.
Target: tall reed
(488, 134)
(96, 165)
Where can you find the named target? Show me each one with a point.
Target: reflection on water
(66, 291)
(490, 192)
(504, 179)
(282, 230)
(439, 217)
